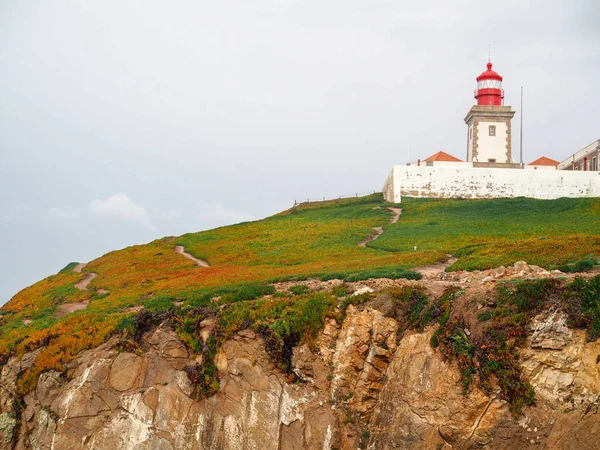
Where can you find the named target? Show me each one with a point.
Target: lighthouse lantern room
(489, 88)
(488, 124)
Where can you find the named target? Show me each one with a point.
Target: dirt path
(434, 270)
(181, 250)
(67, 308)
(85, 281)
(429, 272)
(378, 231)
(78, 267)
(395, 214)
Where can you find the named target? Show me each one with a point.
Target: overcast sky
(125, 121)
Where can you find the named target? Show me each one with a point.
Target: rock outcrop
(360, 386)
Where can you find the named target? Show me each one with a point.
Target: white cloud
(120, 206)
(216, 213)
(66, 213)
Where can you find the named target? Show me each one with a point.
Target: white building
(489, 171)
(588, 158)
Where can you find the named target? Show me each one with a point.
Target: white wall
(529, 167)
(453, 182)
(493, 147)
(448, 163)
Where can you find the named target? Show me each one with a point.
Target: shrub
(583, 305)
(484, 316)
(159, 303)
(440, 310)
(247, 292)
(204, 376)
(463, 350)
(393, 273)
(582, 265)
(299, 289)
(283, 323)
(411, 301)
(493, 356)
(341, 290)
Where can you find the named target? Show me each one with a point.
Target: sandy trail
(181, 250)
(63, 310)
(428, 272)
(395, 214)
(434, 270)
(67, 308)
(85, 281)
(78, 267)
(378, 231)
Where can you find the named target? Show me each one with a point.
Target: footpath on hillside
(431, 271)
(181, 250)
(435, 270)
(378, 231)
(82, 285)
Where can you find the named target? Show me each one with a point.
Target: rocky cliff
(367, 382)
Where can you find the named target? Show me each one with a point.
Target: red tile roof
(443, 156)
(543, 161)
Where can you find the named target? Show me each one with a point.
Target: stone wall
(465, 182)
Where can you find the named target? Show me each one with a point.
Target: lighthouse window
(492, 129)
(489, 84)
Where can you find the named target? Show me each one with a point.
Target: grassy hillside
(489, 233)
(310, 240)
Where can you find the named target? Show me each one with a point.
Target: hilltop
(287, 278)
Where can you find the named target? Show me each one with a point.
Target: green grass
(583, 300)
(490, 233)
(393, 273)
(299, 289)
(59, 294)
(583, 265)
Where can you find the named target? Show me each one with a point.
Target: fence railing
(327, 199)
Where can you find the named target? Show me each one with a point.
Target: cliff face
(360, 387)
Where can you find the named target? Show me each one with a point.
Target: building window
(491, 160)
(594, 164)
(492, 129)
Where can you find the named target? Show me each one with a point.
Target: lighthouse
(488, 124)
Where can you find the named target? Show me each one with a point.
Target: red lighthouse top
(489, 90)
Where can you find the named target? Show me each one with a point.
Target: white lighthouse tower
(488, 124)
